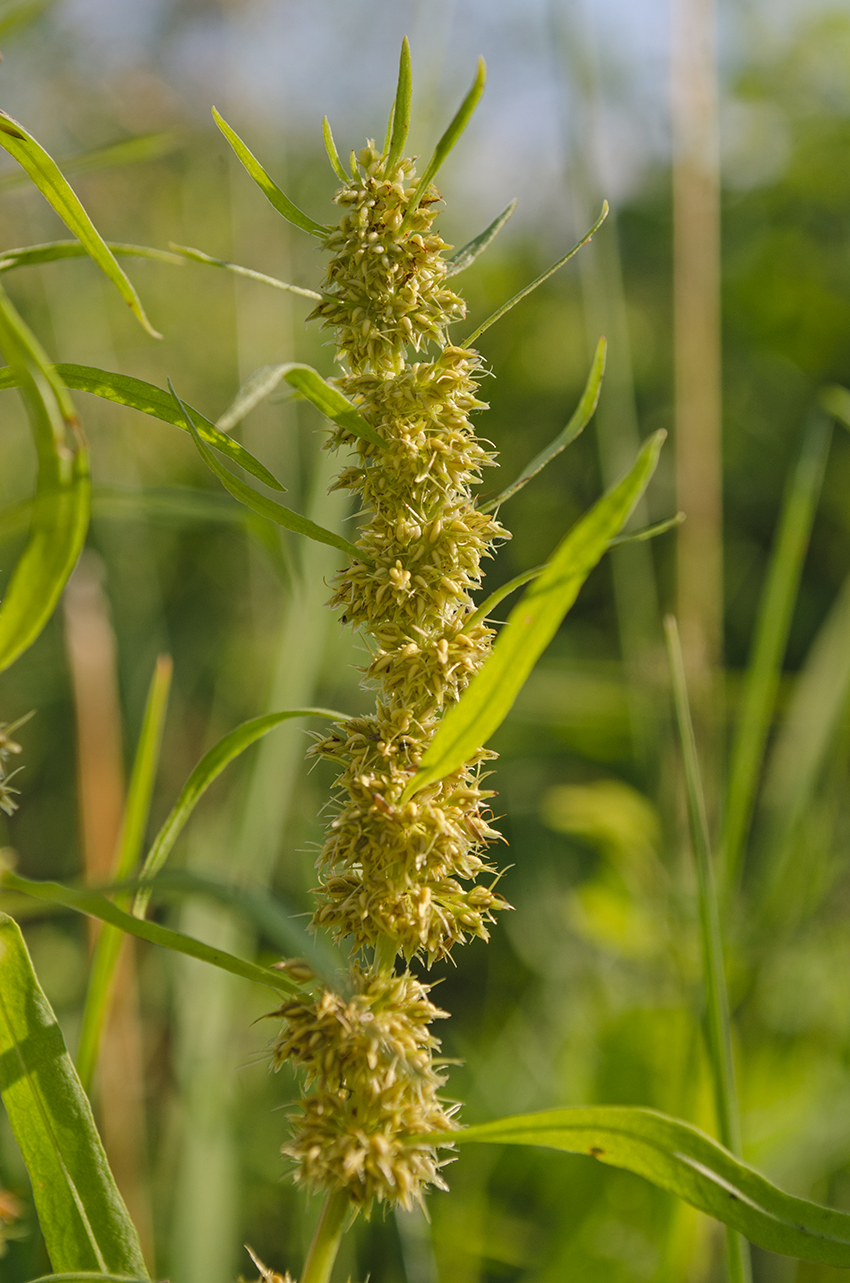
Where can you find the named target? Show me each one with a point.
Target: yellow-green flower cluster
(397, 878)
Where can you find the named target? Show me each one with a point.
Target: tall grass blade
(129, 152)
(531, 626)
(63, 491)
(123, 389)
(208, 769)
(275, 512)
(684, 1161)
(47, 176)
(198, 256)
(468, 253)
(97, 906)
(448, 140)
(333, 154)
(53, 251)
(771, 638)
(544, 276)
(129, 851)
(83, 1219)
(581, 416)
(400, 109)
(267, 186)
(714, 975)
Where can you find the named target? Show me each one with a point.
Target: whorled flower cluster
(397, 877)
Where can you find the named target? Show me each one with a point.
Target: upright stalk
(326, 1240)
(718, 1023)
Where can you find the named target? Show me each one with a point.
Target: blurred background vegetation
(589, 991)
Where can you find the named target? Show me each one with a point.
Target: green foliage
(83, 1219)
(198, 256)
(468, 253)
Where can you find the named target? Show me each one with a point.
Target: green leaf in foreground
(468, 253)
(63, 491)
(684, 1161)
(97, 906)
(123, 389)
(48, 178)
(83, 1219)
(208, 769)
(538, 280)
(133, 827)
(275, 512)
(450, 137)
(581, 416)
(267, 186)
(531, 626)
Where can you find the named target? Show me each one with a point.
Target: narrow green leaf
(198, 256)
(83, 1219)
(580, 418)
(84, 1276)
(333, 154)
(270, 189)
(489, 605)
(718, 1023)
(136, 811)
(684, 1161)
(544, 276)
(401, 109)
(770, 641)
(208, 769)
(325, 397)
(52, 251)
(258, 385)
(63, 491)
(649, 532)
(123, 389)
(275, 512)
(531, 626)
(129, 152)
(447, 142)
(469, 252)
(47, 176)
(97, 906)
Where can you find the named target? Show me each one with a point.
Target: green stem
(326, 1240)
(716, 997)
(386, 951)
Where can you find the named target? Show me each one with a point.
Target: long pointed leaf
(325, 397)
(47, 176)
(267, 186)
(544, 276)
(684, 1161)
(468, 253)
(531, 626)
(136, 811)
(53, 251)
(198, 256)
(401, 109)
(450, 137)
(123, 389)
(579, 420)
(333, 154)
(98, 907)
(83, 1219)
(63, 491)
(208, 769)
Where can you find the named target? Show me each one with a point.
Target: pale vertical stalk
(718, 1022)
(325, 1245)
(92, 660)
(698, 394)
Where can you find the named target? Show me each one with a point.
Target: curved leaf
(123, 389)
(325, 397)
(531, 626)
(208, 769)
(198, 256)
(47, 176)
(52, 251)
(63, 491)
(97, 906)
(401, 110)
(333, 154)
(468, 253)
(684, 1161)
(581, 416)
(83, 1219)
(269, 188)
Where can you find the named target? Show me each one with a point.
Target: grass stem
(326, 1240)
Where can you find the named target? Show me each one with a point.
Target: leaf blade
(400, 109)
(198, 256)
(83, 1219)
(48, 178)
(531, 625)
(468, 253)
